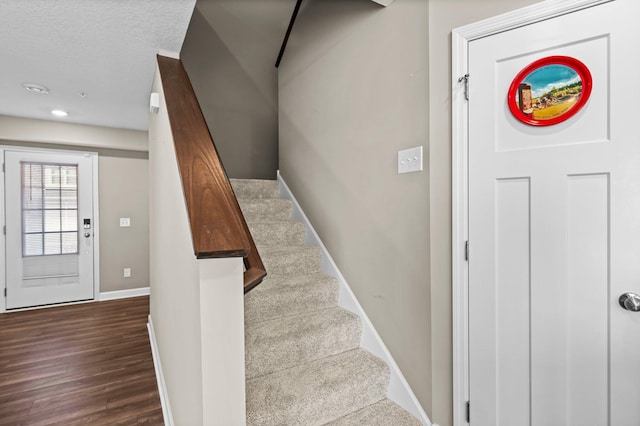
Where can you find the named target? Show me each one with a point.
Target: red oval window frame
(577, 66)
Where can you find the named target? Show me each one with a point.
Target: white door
(49, 228)
(554, 230)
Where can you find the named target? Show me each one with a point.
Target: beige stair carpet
(304, 365)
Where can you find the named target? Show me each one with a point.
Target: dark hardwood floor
(87, 364)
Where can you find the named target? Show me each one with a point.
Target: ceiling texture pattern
(97, 58)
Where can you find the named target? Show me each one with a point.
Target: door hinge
(4, 229)
(465, 78)
(468, 412)
(5, 292)
(2, 167)
(466, 250)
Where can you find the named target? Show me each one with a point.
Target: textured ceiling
(104, 49)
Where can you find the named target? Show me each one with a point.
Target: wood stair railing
(218, 228)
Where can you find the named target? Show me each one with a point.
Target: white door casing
(551, 227)
(53, 276)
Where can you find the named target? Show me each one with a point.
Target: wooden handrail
(218, 228)
(294, 15)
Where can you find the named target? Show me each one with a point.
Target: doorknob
(630, 302)
(87, 234)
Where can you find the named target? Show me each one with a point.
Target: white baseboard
(399, 390)
(123, 294)
(162, 387)
(107, 295)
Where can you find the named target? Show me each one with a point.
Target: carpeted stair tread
(382, 413)
(303, 363)
(283, 343)
(293, 260)
(280, 233)
(317, 392)
(255, 188)
(267, 210)
(285, 295)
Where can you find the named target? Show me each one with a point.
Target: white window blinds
(49, 209)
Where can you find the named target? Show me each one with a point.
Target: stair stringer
(399, 390)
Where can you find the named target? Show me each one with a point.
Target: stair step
(303, 364)
(290, 341)
(383, 413)
(317, 392)
(280, 296)
(283, 233)
(266, 210)
(255, 188)
(293, 260)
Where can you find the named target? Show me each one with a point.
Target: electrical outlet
(410, 160)
(125, 222)
(126, 272)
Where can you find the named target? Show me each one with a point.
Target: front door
(554, 225)
(49, 228)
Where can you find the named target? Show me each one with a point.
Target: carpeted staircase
(304, 365)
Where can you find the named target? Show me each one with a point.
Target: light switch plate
(126, 272)
(410, 160)
(125, 222)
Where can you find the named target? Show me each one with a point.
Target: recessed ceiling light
(59, 113)
(35, 88)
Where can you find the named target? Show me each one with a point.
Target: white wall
(353, 90)
(197, 306)
(122, 192)
(175, 303)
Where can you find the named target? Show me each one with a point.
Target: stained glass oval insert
(549, 91)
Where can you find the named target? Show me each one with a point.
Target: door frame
(96, 220)
(460, 39)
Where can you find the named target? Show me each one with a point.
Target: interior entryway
(50, 227)
(552, 228)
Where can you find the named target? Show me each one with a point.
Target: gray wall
(229, 56)
(123, 191)
(358, 83)
(354, 91)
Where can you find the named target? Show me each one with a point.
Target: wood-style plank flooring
(87, 364)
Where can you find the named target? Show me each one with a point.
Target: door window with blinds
(49, 242)
(49, 209)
